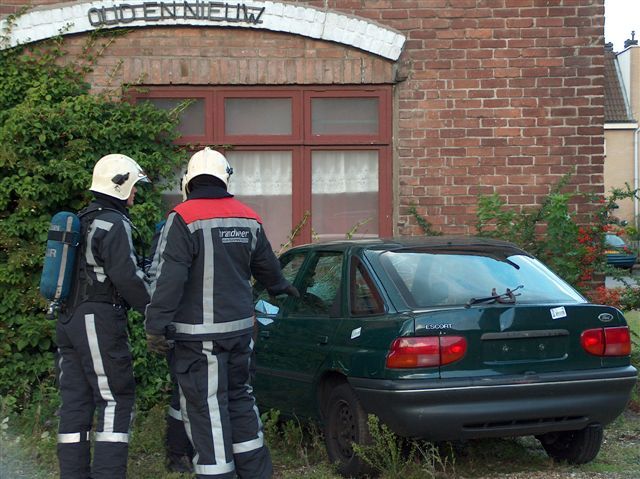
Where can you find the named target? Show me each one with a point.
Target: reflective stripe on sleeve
(91, 261)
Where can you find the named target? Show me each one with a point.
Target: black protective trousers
(95, 376)
(176, 440)
(218, 408)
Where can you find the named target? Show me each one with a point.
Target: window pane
(443, 279)
(319, 287)
(191, 118)
(364, 298)
(257, 116)
(172, 194)
(344, 194)
(344, 116)
(290, 269)
(262, 180)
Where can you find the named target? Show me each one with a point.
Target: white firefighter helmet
(206, 162)
(115, 174)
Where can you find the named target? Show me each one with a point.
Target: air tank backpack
(59, 260)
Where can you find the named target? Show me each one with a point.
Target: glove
(291, 290)
(157, 344)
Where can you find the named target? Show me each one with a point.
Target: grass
(298, 453)
(633, 319)
(28, 451)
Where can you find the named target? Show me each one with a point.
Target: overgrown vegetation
(571, 245)
(393, 456)
(52, 131)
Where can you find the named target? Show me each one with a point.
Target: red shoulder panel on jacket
(210, 208)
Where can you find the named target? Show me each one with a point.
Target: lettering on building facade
(124, 13)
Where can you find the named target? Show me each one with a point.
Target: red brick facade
(489, 95)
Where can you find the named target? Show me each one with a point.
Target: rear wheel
(574, 447)
(346, 424)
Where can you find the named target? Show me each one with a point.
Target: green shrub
(571, 245)
(392, 456)
(294, 443)
(52, 131)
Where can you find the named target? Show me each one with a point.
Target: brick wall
(8, 7)
(500, 95)
(195, 56)
(493, 95)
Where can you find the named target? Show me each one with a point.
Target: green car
(443, 338)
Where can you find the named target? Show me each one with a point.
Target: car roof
(459, 243)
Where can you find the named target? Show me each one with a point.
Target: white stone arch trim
(70, 18)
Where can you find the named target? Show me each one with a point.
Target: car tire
(345, 424)
(574, 447)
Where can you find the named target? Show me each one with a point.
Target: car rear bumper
(621, 260)
(494, 407)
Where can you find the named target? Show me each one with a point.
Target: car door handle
(323, 339)
(264, 334)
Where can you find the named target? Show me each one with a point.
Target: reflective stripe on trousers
(219, 410)
(95, 375)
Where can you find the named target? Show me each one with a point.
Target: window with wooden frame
(320, 153)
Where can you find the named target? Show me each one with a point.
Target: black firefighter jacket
(208, 250)
(107, 270)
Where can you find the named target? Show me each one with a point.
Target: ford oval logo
(605, 317)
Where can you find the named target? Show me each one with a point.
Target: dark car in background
(618, 252)
(443, 338)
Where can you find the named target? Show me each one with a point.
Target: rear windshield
(614, 240)
(428, 279)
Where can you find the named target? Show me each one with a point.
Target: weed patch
(298, 452)
(393, 456)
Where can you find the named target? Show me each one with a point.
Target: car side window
(364, 298)
(319, 286)
(290, 266)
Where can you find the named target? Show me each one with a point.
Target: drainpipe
(636, 144)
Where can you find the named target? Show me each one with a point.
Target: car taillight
(425, 352)
(607, 341)
(452, 348)
(592, 341)
(617, 341)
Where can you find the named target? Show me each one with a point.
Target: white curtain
(344, 194)
(344, 172)
(263, 180)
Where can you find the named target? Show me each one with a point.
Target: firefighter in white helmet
(95, 371)
(201, 298)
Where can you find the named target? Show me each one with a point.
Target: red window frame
(301, 141)
(185, 93)
(384, 184)
(384, 127)
(296, 117)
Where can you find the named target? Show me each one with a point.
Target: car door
(293, 343)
